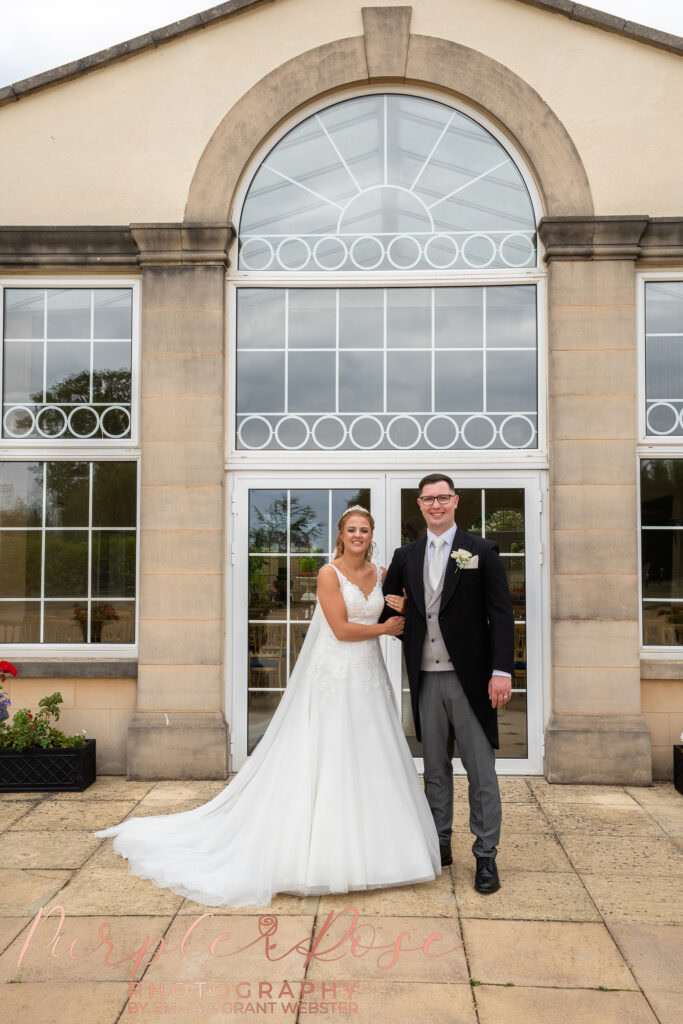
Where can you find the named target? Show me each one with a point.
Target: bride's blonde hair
(355, 510)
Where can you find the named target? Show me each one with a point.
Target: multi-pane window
(383, 368)
(664, 358)
(67, 363)
(67, 552)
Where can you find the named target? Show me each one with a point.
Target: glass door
(504, 508)
(284, 530)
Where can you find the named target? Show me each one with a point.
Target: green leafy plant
(28, 730)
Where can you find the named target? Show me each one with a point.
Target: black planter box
(56, 769)
(678, 768)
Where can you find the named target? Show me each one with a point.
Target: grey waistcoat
(435, 657)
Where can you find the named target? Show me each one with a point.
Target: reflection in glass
(361, 381)
(114, 501)
(68, 313)
(113, 311)
(23, 376)
(458, 317)
(67, 371)
(67, 493)
(511, 316)
(512, 728)
(24, 313)
(66, 563)
(664, 368)
(267, 587)
(343, 499)
(505, 519)
(267, 655)
(664, 307)
(20, 558)
(261, 708)
(409, 318)
(267, 520)
(661, 492)
(113, 563)
(662, 557)
(309, 520)
(312, 318)
(662, 623)
(459, 381)
(303, 574)
(261, 317)
(361, 318)
(511, 382)
(297, 635)
(310, 381)
(408, 381)
(21, 493)
(19, 622)
(260, 382)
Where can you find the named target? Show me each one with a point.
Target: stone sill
(52, 668)
(660, 668)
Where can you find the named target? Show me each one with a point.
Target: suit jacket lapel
(452, 575)
(415, 567)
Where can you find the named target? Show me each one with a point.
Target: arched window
(418, 192)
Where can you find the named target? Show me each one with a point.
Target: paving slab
(281, 904)
(83, 816)
(631, 820)
(269, 949)
(9, 929)
(217, 1002)
(14, 810)
(110, 787)
(83, 949)
(51, 1003)
(49, 849)
(515, 791)
(396, 1002)
(107, 892)
(428, 899)
(527, 896)
(545, 954)
(655, 955)
(535, 851)
(22, 892)
(570, 1006)
(425, 949)
(640, 855)
(517, 817)
(650, 900)
(595, 796)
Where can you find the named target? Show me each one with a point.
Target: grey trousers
(442, 699)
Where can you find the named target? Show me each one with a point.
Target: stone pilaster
(179, 729)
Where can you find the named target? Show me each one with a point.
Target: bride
(329, 800)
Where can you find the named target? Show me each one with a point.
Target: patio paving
(588, 924)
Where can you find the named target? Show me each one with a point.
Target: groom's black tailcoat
(475, 617)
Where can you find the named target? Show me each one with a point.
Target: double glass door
(284, 529)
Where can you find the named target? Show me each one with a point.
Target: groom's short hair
(435, 478)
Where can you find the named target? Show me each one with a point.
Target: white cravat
(436, 563)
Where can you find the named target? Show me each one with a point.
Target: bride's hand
(397, 603)
(395, 625)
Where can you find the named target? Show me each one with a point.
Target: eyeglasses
(442, 499)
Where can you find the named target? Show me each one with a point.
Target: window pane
(409, 318)
(67, 372)
(662, 624)
(113, 563)
(664, 369)
(21, 493)
(267, 587)
(19, 622)
(68, 492)
(343, 499)
(505, 519)
(511, 316)
(261, 317)
(68, 313)
(360, 381)
(664, 307)
(111, 373)
(66, 622)
(24, 313)
(23, 378)
(661, 492)
(459, 381)
(20, 554)
(408, 381)
(311, 381)
(114, 500)
(113, 313)
(261, 707)
(458, 317)
(511, 381)
(662, 554)
(66, 563)
(312, 318)
(308, 520)
(260, 382)
(268, 520)
(361, 318)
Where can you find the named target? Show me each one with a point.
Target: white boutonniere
(462, 557)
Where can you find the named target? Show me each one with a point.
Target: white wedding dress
(329, 800)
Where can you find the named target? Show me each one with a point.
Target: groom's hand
(500, 690)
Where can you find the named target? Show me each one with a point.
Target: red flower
(32, 725)
(6, 666)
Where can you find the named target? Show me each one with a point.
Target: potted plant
(34, 755)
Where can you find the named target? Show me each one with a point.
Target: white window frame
(410, 458)
(651, 447)
(74, 450)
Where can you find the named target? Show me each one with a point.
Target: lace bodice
(360, 608)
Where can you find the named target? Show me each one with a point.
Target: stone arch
(459, 71)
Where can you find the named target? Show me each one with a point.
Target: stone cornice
(157, 37)
(114, 247)
(612, 238)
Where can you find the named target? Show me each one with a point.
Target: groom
(458, 646)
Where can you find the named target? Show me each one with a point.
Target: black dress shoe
(486, 879)
(446, 855)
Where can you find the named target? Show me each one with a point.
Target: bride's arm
(334, 610)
